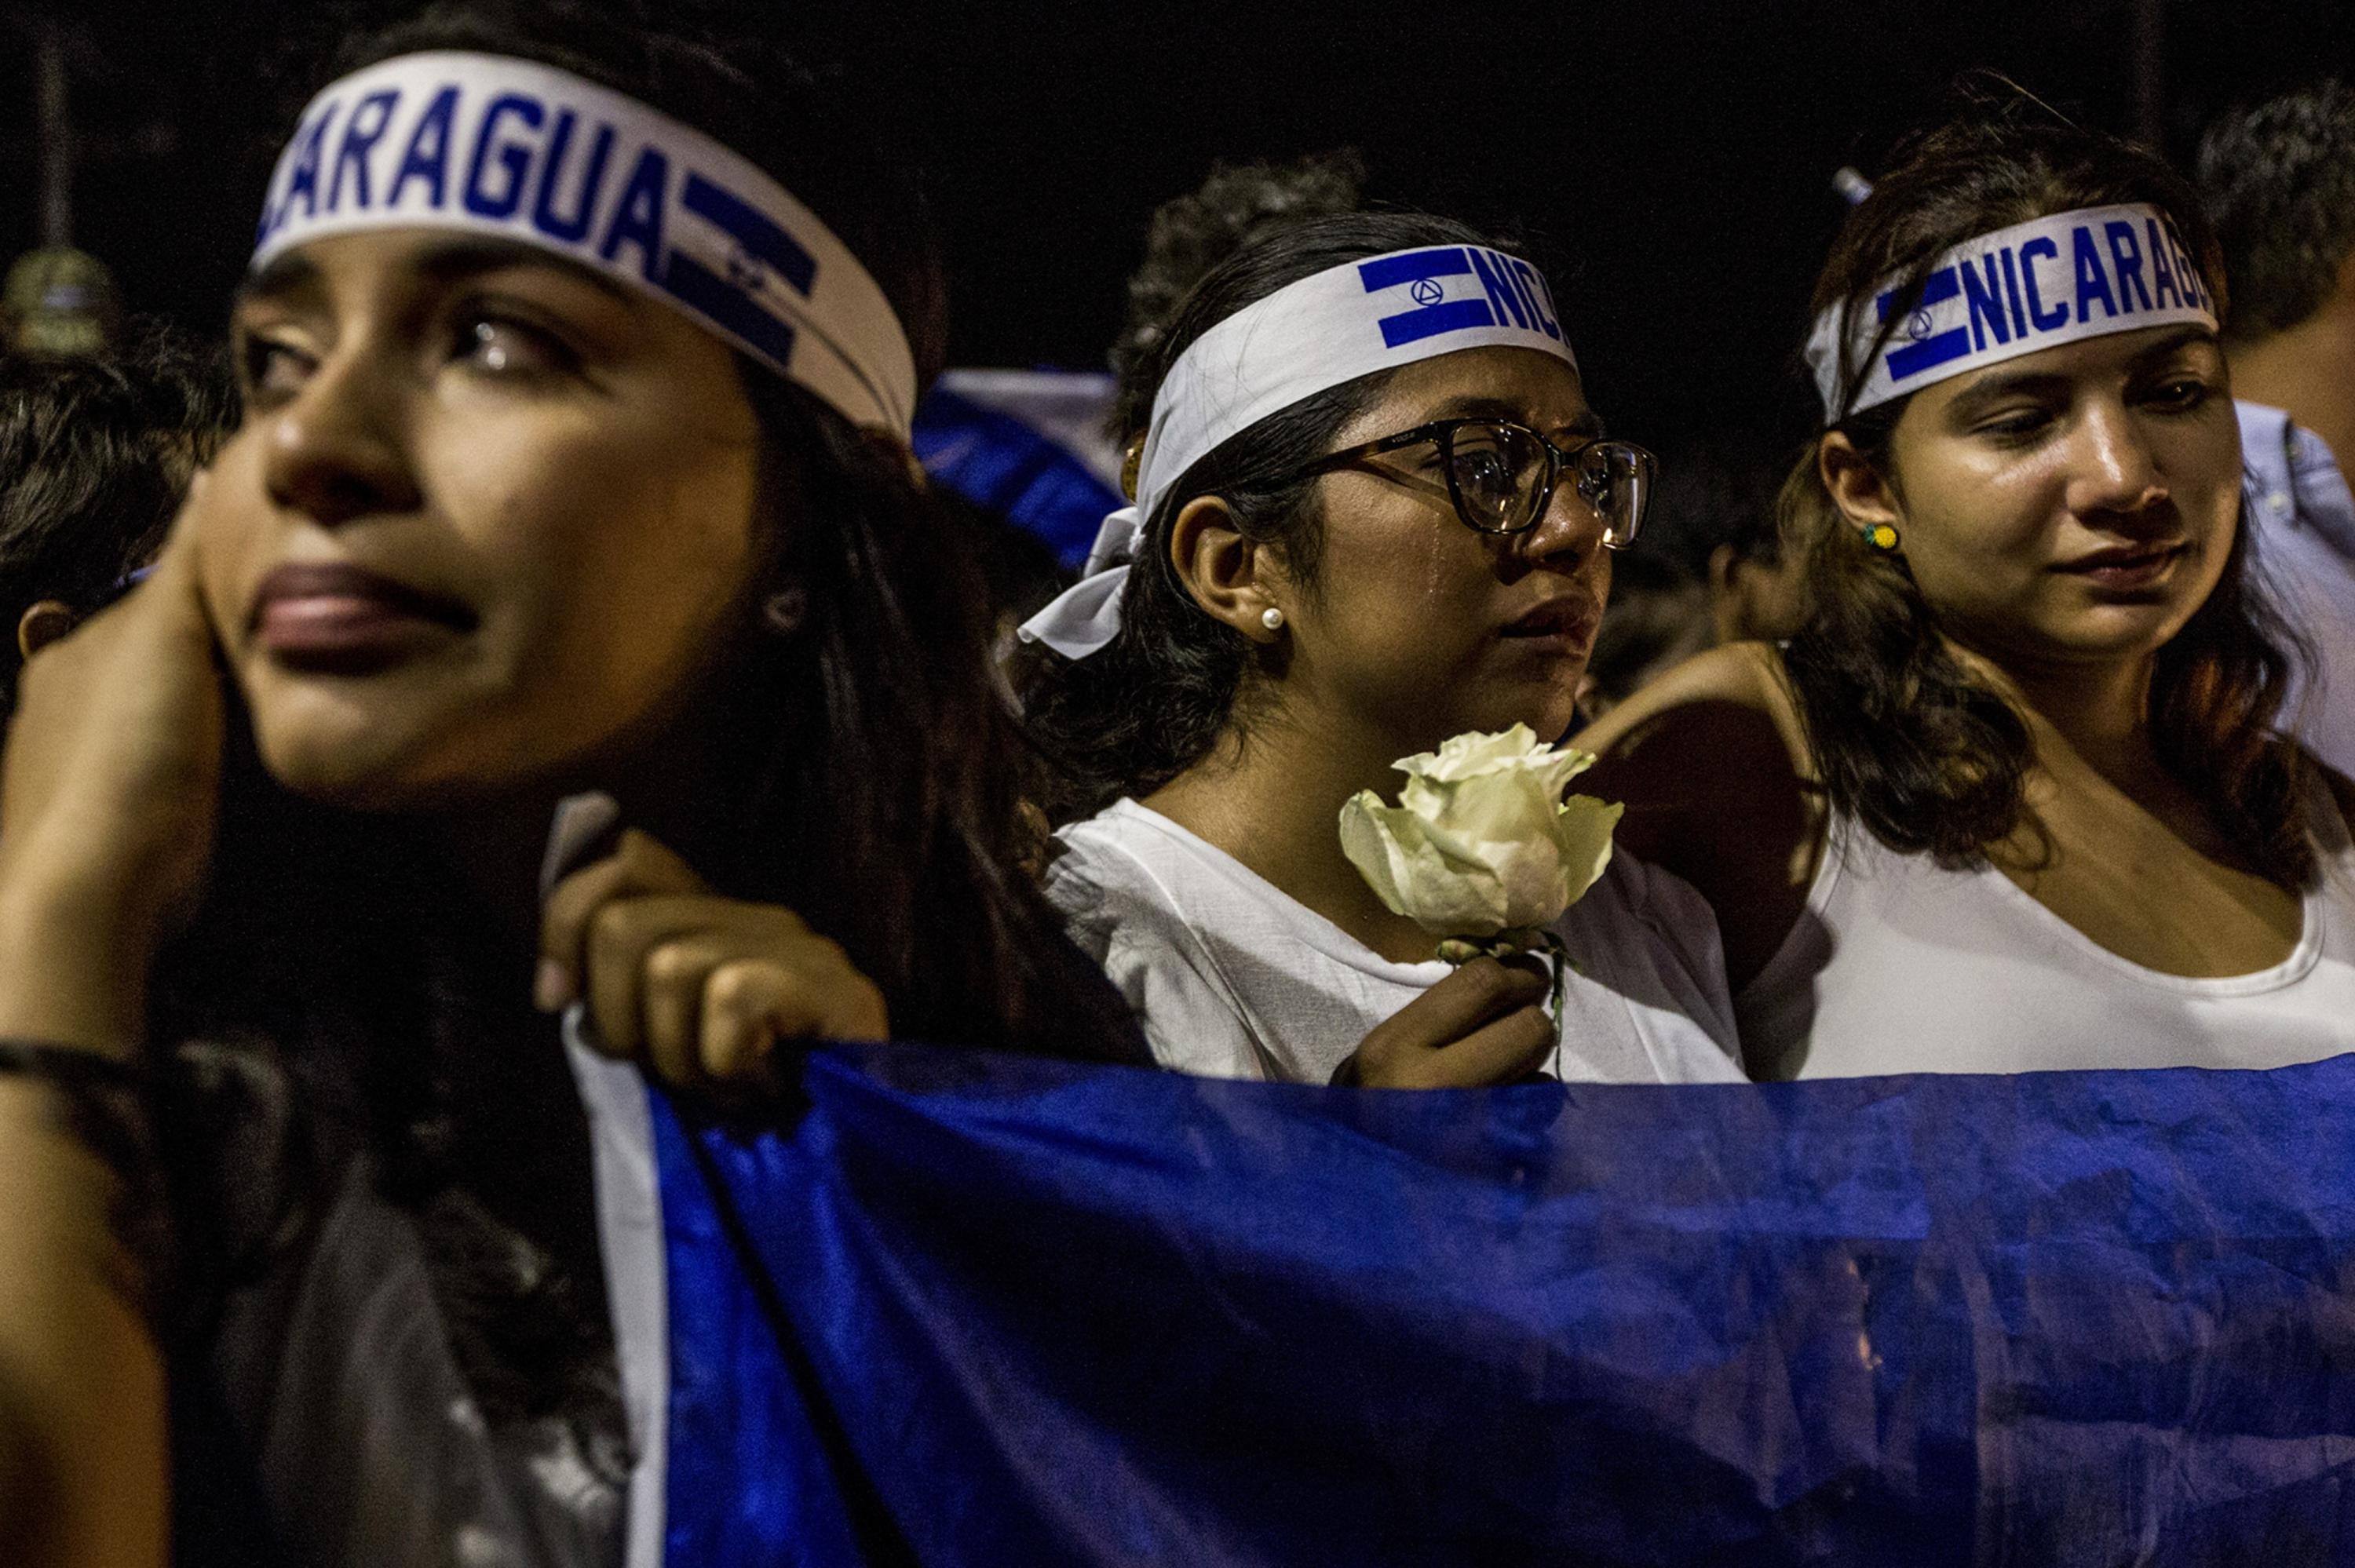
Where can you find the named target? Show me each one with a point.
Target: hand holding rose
(1483, 852)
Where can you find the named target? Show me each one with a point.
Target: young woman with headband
(1374, 510)
(578, 367)
(2013, 799)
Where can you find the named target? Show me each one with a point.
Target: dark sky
(1673, 156)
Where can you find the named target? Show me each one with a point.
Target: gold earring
(1131, 458)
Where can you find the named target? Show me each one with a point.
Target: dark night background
(1673, 159)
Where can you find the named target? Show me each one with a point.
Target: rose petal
(1582, 832)
(1482, 840)
(1366, 840)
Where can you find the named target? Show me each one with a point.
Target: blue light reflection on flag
(1062, 1314)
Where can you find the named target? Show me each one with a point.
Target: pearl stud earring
(1271, 618)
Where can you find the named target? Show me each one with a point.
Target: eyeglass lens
(1500, 472)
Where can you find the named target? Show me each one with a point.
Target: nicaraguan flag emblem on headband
(521, 152)
(2033, 286)
(1332, 327)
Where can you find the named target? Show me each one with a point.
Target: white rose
(1481, 840)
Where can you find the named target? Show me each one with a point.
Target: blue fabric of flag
(983, 1311)
(996, 460)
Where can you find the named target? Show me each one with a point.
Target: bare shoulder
(1745, 675)
(1711, 761)
(1736, 695)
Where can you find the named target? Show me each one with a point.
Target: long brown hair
(1905, 739)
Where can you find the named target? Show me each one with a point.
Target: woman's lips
(1563, 625)
(2126, 569)
(340, 618)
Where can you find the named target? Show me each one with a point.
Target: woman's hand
(1484, 1024)
(697, 987)
(108, 805)
(108, 799)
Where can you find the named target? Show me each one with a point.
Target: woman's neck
(2100, 712)
(493, 852)
(1274, 804)
(670, 782)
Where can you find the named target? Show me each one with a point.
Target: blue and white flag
(1028, 445)
(974, 1309)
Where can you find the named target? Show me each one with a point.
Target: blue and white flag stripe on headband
(1341, 323)
(2033, 286)
(514, 150)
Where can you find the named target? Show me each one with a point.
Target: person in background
(95, 455)
(1188, 235)
(1660, 616)
(2278, 183)
(1351, 542)
(2013, 798)
(1709, 570)
(1024, 456)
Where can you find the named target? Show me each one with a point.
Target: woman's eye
(2018, 425)
(2187, 393)
(1484, 469)
(499, 345)
(274, 369)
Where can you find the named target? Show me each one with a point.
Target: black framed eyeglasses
(1501, 475)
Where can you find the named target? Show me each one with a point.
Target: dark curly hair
(1929, 759)
(1190, 234)
(2278, 181)
(94, 456)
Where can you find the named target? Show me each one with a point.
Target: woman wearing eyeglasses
(1374, 510)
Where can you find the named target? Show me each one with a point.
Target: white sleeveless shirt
(1899, 965)
(1233, 978)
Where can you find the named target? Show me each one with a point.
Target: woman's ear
(43, 622)
(1234, 580)
(1857, 486)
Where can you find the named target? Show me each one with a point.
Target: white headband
(2033, 286)
(1334, 326)
(525, 152)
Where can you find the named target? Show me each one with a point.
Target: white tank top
(1900, 965)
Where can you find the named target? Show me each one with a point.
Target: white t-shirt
(1232, 978)
(1901, 965)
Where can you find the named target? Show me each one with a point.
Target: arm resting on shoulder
(1711, 760)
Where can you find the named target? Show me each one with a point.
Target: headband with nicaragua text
(2033, 286)
(513, 150)
(1326, 329)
